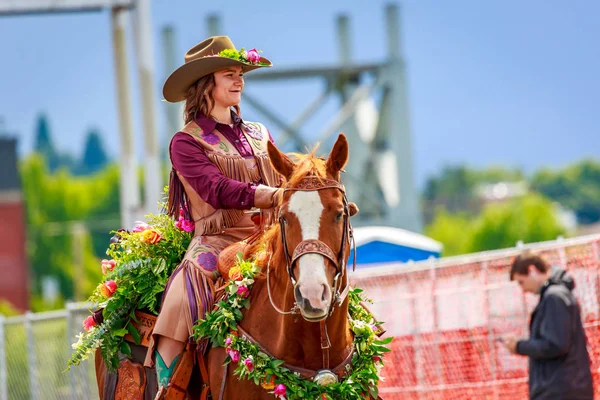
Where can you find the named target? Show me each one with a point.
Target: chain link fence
(34, 349)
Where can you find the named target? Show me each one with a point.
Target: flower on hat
(253, 56)
(247, 57)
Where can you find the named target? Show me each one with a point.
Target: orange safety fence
(447, 315)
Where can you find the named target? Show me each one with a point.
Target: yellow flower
(268, 385)
(235, 274)
(151, 236)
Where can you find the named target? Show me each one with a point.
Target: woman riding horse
(220, 170)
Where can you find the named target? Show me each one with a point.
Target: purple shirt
(190, 160)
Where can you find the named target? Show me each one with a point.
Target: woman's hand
(267, 197)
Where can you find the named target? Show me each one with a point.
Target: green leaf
(277, 363)
(125, 349)
(119, 332)
(384, 341)
(380, 349)
(134, 333)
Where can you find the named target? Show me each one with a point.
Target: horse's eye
(339, 216)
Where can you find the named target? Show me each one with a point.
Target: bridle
(315, 246)
(324, 376)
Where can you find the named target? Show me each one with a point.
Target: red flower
(243, 291)
(234, 354)
(108, 288)
(280, 390)
(108, 265)
(249, 364)
(89, 323)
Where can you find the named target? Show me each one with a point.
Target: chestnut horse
(303, 262)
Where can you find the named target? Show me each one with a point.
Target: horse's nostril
(324, 296)
(298, 294)
(306, 304)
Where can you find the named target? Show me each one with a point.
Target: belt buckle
(325, 377)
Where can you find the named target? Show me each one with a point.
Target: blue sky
(511, 82)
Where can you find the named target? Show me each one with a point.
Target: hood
(559, 277)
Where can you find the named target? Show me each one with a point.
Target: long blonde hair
(199, 99)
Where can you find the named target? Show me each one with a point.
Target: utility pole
(145, 62)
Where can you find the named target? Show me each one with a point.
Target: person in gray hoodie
(559, 364)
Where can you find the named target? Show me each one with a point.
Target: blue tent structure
(376, 245)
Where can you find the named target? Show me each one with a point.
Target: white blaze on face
(308, 208)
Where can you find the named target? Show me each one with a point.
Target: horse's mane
(304, 165)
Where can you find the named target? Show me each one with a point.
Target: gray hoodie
(559, 364)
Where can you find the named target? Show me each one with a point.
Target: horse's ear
(280, 161)
(353, 209)
(338, 157)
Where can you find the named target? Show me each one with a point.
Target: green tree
(94, 156)
(576, 187)
(530, 218)
(454, 188)
(43, 143)
(53, 202)
(453, 230)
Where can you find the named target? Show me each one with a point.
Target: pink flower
(89, 323)
(280, 390)
(108, 288)
(181, 212)
(253, 56)
(140, 226)
(243, 291)
(108, 265)
(249, 364)
(228, 341)
(185, 225)
(374, 328)
(234, 354)
(188, 226)
(376, 358)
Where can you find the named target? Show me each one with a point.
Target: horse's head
(315, 228)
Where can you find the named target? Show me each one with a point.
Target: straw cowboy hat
(211, 55)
